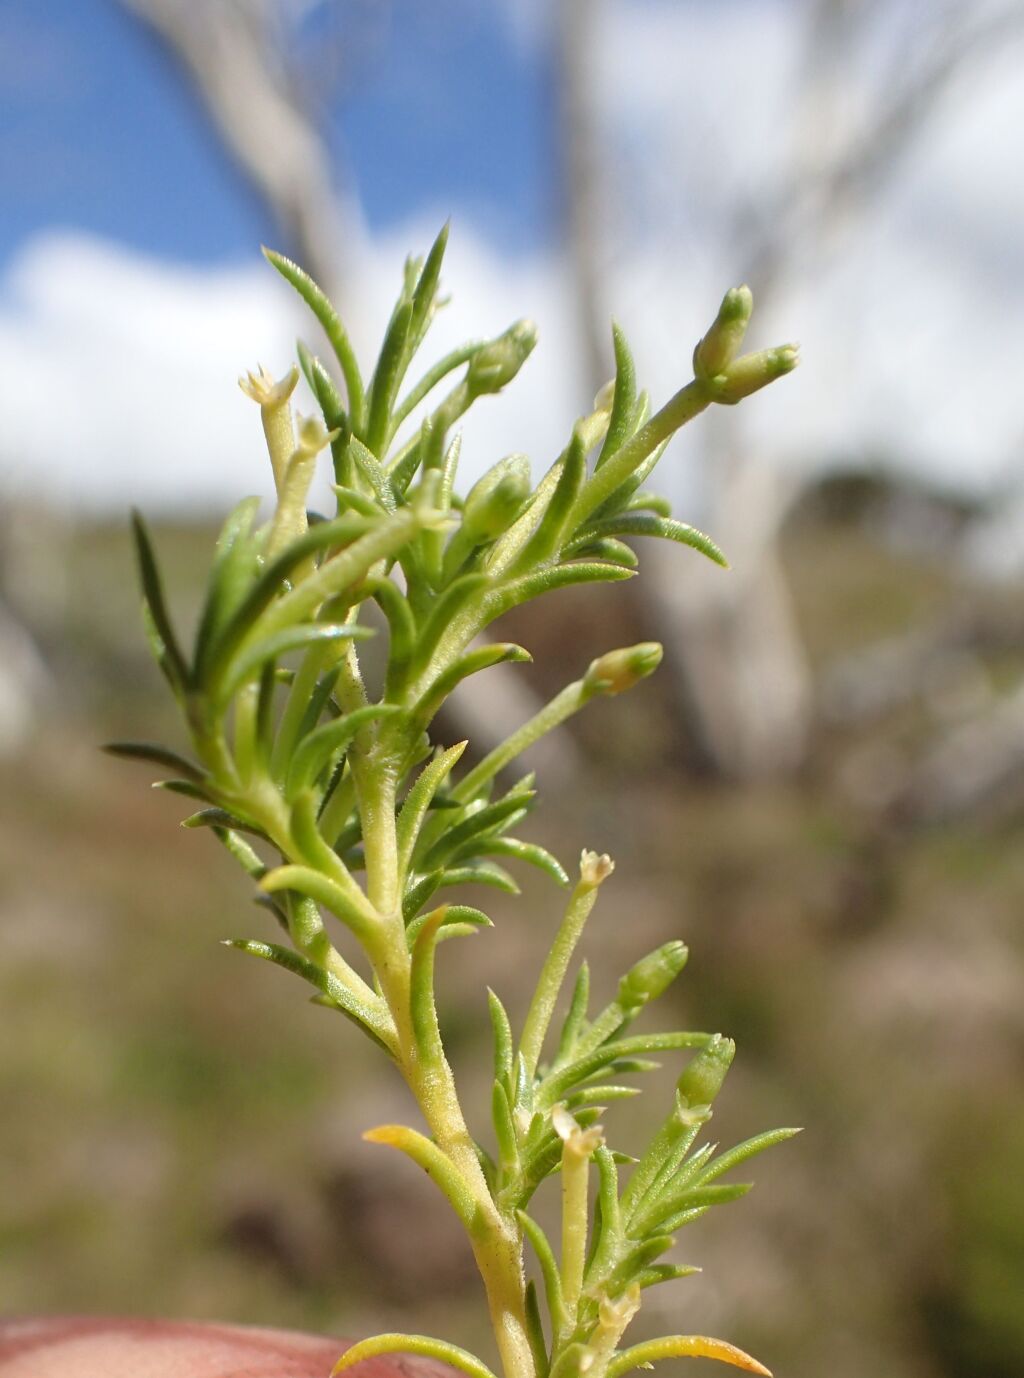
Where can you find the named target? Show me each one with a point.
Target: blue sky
(98, 131)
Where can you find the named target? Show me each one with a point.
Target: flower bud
(652, 975)
(753, 371)
(721, 344)
(605, 398)
(496, 364)
(582, 1143)
(494, 500)
(594, 869)
(617, 671)
(313, 436)
(703, 1075)
(614, 1314)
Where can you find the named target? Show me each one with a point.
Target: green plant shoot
(358, 826)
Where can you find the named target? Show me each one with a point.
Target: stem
(687, 403)
(556, 964)
(571, 699)
(497, 1244)
(575, 1192)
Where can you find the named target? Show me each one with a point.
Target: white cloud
(120, 371)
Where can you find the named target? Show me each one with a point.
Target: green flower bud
(496, 364)
(651, 975)
(703, 1075)
(617, 671)
(753, 371)
(494, 500)
(721, 344)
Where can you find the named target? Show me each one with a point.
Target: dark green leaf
(157, 755)
(620, 423)
(170, 658)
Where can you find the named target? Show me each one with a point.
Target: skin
(102, 1347)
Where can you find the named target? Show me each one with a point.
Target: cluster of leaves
(331, 794)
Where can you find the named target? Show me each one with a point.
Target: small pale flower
(262, 388)
(313, 436)
(594, 868)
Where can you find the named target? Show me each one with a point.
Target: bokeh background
(822, 790)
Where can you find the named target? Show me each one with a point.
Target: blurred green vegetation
(180, 1128)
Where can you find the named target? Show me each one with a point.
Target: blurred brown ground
(180, 1129)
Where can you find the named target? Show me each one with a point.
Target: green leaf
(575, 1020)
(306, 881)
(636, 1260)
(434, 375)
(444, 611)
(742, 1152)
(504, 1130)
(682, 1347)
(249, 665)
(422, 1009)
(188, 788)
(535, 1331)
(529, 586)
(170, 657)
(424, 298)
(477, 824)
(646, 501)
(438, 1167)
(235, 567)
(552, 530)
(418, 801)
(156, 754)
(562, 1079)
(541, 1246)
(331, 405)
(521, 851)
(221, 818)
(593, 1095)
(326, 743)
(413, 1344)
(605, 548)
(648, 524)
(459, 920)
(338, 576)
(402, 633)
(360, 504)
(497, 653)
(243, 853)
(695, 1197)
(274, 579)
(502, 1031)
(624, 401)
(317, 300)
(368, 1019)
(368, 465)
(481, 873)
(663, 1272)
(619, 500)
(387, 376)
(608, 1235)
